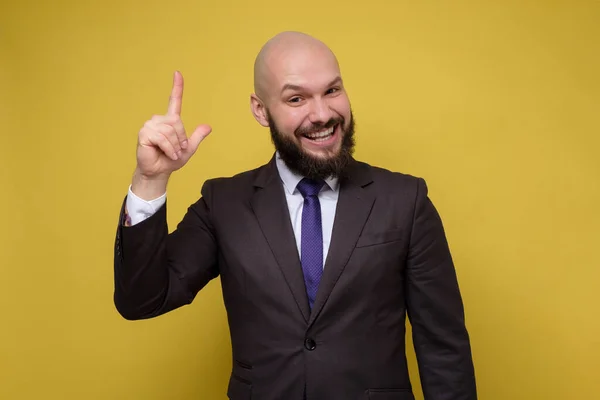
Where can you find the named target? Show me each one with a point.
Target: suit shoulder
(397, 186)
(393, 179)
(237, 182)
(237, 179)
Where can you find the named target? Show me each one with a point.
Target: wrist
(149, 188)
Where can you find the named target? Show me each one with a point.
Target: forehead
(310, 67)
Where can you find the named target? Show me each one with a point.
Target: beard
(302, 163)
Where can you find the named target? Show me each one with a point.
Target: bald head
(284, 56)
(299, 94)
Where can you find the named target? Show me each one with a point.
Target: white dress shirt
(139, 209)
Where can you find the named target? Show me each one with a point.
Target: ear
(259, 110)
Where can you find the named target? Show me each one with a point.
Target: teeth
(322, 134)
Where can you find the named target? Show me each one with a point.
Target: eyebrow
(289, 86)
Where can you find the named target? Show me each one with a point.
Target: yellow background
(495, 104)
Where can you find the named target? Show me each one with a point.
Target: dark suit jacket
(388, 258)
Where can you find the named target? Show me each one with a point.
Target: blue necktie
(311, 245)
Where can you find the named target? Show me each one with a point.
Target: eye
(332, 90)
(295, 99)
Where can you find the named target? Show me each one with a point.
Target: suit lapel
(270, 207)
(354, 206)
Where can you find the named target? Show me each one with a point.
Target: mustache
(318, 127)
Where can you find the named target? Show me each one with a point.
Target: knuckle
(161, 139)
(171, 139)
(145, 133)
(170, 134)
(167, 148)
(164, 130)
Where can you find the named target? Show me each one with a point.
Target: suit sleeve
(435, 309)
(156, 272)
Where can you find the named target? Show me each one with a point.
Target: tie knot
(310, 187)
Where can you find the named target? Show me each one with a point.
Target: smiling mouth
(322, 135)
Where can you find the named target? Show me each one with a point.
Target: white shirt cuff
(139, 209)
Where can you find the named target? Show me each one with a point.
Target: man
(321, 257)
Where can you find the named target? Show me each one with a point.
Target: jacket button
(310, 344)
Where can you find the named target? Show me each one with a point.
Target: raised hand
(163, 146)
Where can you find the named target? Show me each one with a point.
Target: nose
(320, 112)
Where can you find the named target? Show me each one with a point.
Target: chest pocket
(375, 238)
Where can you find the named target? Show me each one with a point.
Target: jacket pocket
(243, 364)
(389, 394)
(372, 239)
(239, 389)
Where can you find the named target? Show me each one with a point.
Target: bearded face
(311, 164)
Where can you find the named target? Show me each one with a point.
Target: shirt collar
(290, 179)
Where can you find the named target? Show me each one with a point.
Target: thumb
(197, 137)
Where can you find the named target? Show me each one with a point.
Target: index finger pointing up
(176, 95)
